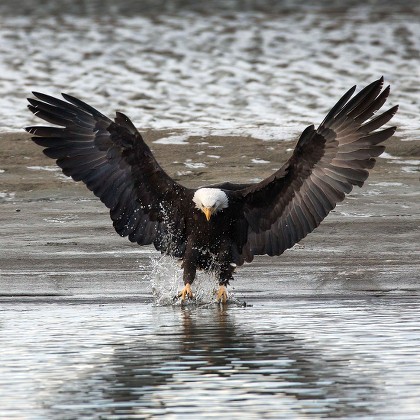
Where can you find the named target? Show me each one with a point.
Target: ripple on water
(286, 359)
(262, 74)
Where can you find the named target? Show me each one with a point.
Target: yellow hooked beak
(208, 211)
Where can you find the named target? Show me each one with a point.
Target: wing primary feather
(373, 107)
(83, 106)
(71, 117)
(379, 121)
(48, 116)
(334, 195)
(336, 108)
(301, 214)
(60, 103)
(366, 100)
(362, 97)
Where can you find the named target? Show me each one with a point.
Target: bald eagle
(216, 227)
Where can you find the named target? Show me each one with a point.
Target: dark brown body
(212, 245)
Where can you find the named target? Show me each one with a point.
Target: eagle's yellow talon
(222, 295)
(186, 292)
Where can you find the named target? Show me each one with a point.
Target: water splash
(166, 282)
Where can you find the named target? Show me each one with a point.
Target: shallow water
(287, 359)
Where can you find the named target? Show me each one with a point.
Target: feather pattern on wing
(115, 163)
(325, 165)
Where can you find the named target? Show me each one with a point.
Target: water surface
(286, 359)
(266, 69)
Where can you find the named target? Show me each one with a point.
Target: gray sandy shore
(57, 240)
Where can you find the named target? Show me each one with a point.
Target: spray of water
(166, 281)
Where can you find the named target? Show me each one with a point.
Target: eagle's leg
(190, 269)
(186, 292)
(226, 273)
(225, 277)
(222, 294)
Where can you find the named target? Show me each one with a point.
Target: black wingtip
(32, 102)
(374, 85)
(75, 101)
(31, 130)
(119, 115)
(68, 97)
(377, 83)
(350, 92)
(394, 109)
(125, 122)
(38, 95)
(83, 106)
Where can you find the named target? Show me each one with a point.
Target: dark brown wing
(115, 163)
(325, 165)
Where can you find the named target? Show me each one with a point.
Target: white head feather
(212, 198)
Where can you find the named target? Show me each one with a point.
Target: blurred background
(262, 68)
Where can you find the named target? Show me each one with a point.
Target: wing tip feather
(68, 97)
(31, 129)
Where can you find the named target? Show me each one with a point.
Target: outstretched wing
(325, 165)
(115, 163)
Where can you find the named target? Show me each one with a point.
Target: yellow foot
(222, 294)
(186, 292)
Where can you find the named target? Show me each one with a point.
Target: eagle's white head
(210, 201)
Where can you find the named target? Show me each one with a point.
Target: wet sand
(57, 241)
